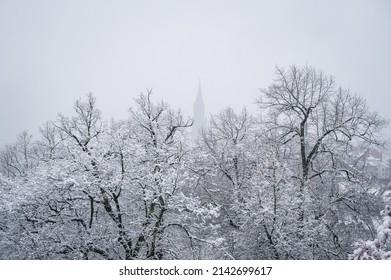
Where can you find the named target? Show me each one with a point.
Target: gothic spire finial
(199, 89)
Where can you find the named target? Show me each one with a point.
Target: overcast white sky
(54, 52)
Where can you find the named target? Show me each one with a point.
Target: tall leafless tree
(307, 108)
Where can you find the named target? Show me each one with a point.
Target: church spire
(199, 114)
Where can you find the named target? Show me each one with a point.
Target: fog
(55, 52)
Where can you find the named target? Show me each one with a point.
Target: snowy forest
(287, 182)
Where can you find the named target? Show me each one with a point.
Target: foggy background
(54, 52)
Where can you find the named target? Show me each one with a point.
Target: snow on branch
(375, 249)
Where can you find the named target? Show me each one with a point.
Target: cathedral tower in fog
(198, 115)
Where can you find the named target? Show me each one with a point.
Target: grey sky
(54, 52)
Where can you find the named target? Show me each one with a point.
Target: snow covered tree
(18, 158)
(225, 163)
(319, 124)
(166, 196)
(246, 175)
(118, 191)
(305, 106)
